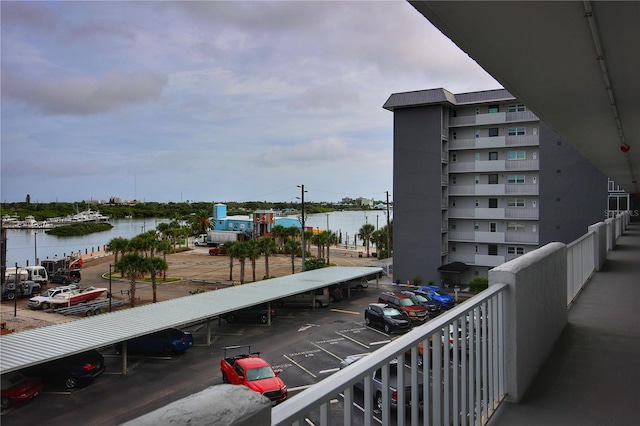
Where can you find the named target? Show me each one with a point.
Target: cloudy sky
(211, 101)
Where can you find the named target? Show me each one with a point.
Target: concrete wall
(417, 193)
(535, 312)
(573, 193)
(215, 406)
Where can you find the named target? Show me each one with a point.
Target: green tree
(132, 265)
(118, 246)
(268, 246)
(155, 265)
(318, 241)
(243, 252)
(292, 247)
(365, 233)
(329, 239)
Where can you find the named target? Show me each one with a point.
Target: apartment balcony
(489, 237)
(576, 364)
(521, 237)
(521, 213)
(488, 260)
(495, 142)
(478, 166)
(479, 189)
(521, 189)
(477, 213)
(493, 118)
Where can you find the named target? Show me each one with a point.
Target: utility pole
(388, 228)
(302, 221)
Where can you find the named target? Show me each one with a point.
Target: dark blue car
(446, 300)
(165, 342)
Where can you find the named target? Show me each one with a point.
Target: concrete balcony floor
(592, 376)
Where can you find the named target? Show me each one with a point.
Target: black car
(257, 313)
(433, 306)
(387, 317)
(170, 341)
(71, 371)
(66, 276)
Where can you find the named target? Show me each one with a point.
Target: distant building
(478, 179)
(256, 225)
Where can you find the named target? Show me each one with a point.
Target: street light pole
(303, 228)
(35, 248)
(110, 295)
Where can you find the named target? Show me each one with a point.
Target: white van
(319, 297)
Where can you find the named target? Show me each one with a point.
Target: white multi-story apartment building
(478, 180)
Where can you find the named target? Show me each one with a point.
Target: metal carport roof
(36, 346)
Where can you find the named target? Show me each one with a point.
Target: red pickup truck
(250, 370)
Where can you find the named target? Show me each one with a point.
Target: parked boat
(74, 297)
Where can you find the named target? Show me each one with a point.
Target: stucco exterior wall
(535, 312)
(417, 193)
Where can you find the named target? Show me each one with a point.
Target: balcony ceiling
(547, 55)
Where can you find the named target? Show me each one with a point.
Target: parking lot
(307, 344)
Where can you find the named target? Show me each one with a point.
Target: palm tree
(242, 253)
(307, 240)
(203, 221)
(317, 240)
(279, 232)
(365, 233)
(329, 239)
(253, 253)
(231, 249)
(155, 265)
(292, 247)
(118, 245)
(164, 247)
(132, 265)
(268, 246)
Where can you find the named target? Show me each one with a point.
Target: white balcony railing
(464, 384)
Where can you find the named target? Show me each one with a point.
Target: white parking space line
(381, 342)
(328, 352)
(331, 370)
(353, 340)
(301, 367)
(342, 311)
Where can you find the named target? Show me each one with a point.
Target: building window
(516, 131)
(515, 250)
(477, 133)
(476, 179)
(476, 225)
(477, 156)
(493, 203)
(494, 109)
(515, 202)
(493, 155)
(534, 228)
(493, 179)
(517, 108)
(477, 203)
(493, 227)
(493, 249)
(515, 178)
(493, 132)
(515, 226)
(516, 155)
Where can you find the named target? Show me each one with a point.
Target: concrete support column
(600, 244)
(535, 312)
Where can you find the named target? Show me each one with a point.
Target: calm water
(24, 244)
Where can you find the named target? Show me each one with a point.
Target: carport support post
(269, 313)
(124, 358)
(209, 332)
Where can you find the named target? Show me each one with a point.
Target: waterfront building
(479, 179)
